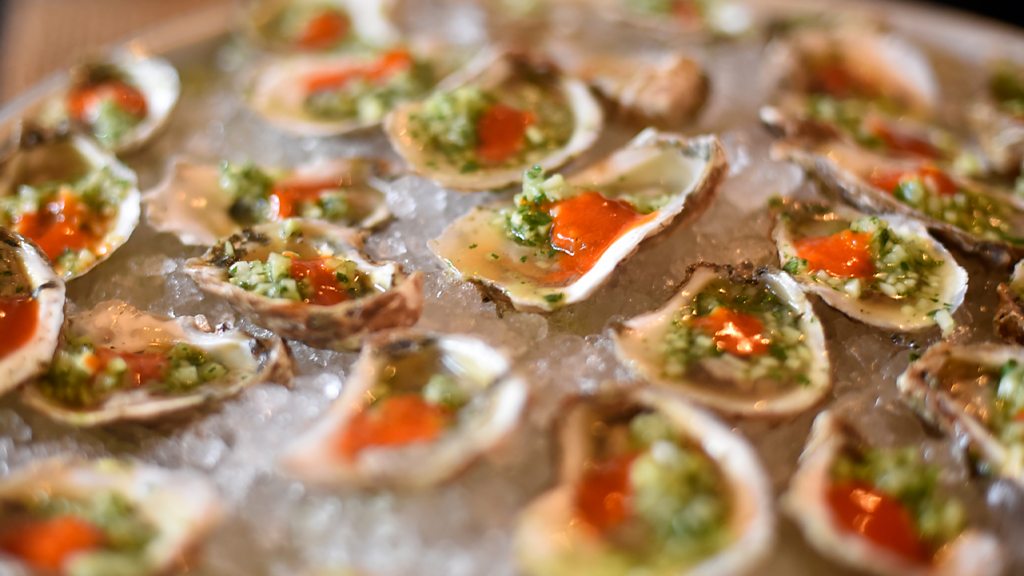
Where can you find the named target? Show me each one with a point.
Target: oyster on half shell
(290, 26)
(560, 240)
(417, 409)
(77, 202)
(118, 363)
(481, 136)
(925, 531)
(31, 311)
(202, 203)
(886, 270)
(699, 500)
(685, 19)
(309, 281)
(140, 520)
(737, 340)
(997, 118)
(973, 393)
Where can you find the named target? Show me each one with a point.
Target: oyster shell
(558, 116)
(972, 216)
(910, 283)
(997, 120)
(288, 26)
(173, 510)
(1009, 318)
(359, 297)
(967, 390)
(971, 553)
(194, 205)
(663, 175)
(231, 361)
(31, 311)
(733, 374)
(556, 534)
(43, 181)
(459, 397)
(696, 19)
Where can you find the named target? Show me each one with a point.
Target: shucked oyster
(201, 203)
(739, 341)
(975, 217)
(118, 363)
(416, 410)
(975, 393)
(481, 136)
(649, 485)
(103, 517)
(31, 311)
(882, 510)
(333, 95)
(123, 101)
(679, 18)
(998, 119)
(886, 271)
(561, 240)
(309, 281)
(321, 25)
(1010, 314)
(75, 201)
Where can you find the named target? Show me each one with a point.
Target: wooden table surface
(43, 36)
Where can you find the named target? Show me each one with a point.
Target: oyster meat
(202, 203)
(417, 409)
(123, 101)
(997, 118)
(31, 311)
(740, 341)
(76, 202)
(560, 240)
(882, 510)
(290, 26)
(886, 271)
(309, 281)
(649, 484)
(103, 517)
(118, 363)
(482, 135)
(1010, 314)
(974, 393)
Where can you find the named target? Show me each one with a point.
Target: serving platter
(278, 526)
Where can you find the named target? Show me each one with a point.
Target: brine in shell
(882, 511)
(123, 101)
(117, 363)
(482, 135)
(202, 203)
(997, 118)
(316, 26)
(973, 392)
(885, 270)
(417, 410)
(104, 517)
(75, 201)
(31, 311)
(1009, 320)
(309, 281)
(561, 239)
(648, 484)
(742, 341)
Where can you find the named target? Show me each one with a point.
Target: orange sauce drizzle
(501, 132)
(58, 227)
(392, 422)
(326, 291)
(686, 11)
(602, 494)
(285, 197)
(878, 517)
(734, 332)
(48, 544)
(142, 366)
(846, 254)
(18, 322)
(381, 70)
(583, 227)
(324, 30)
(933, 177)
(901, 141)
(82, 101)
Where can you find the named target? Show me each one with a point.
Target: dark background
(1010, 11)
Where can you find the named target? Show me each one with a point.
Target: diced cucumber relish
(250, 187)
(368, 101)
(529, 223)
(99, 190)
(273, 278)
(965, 209)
